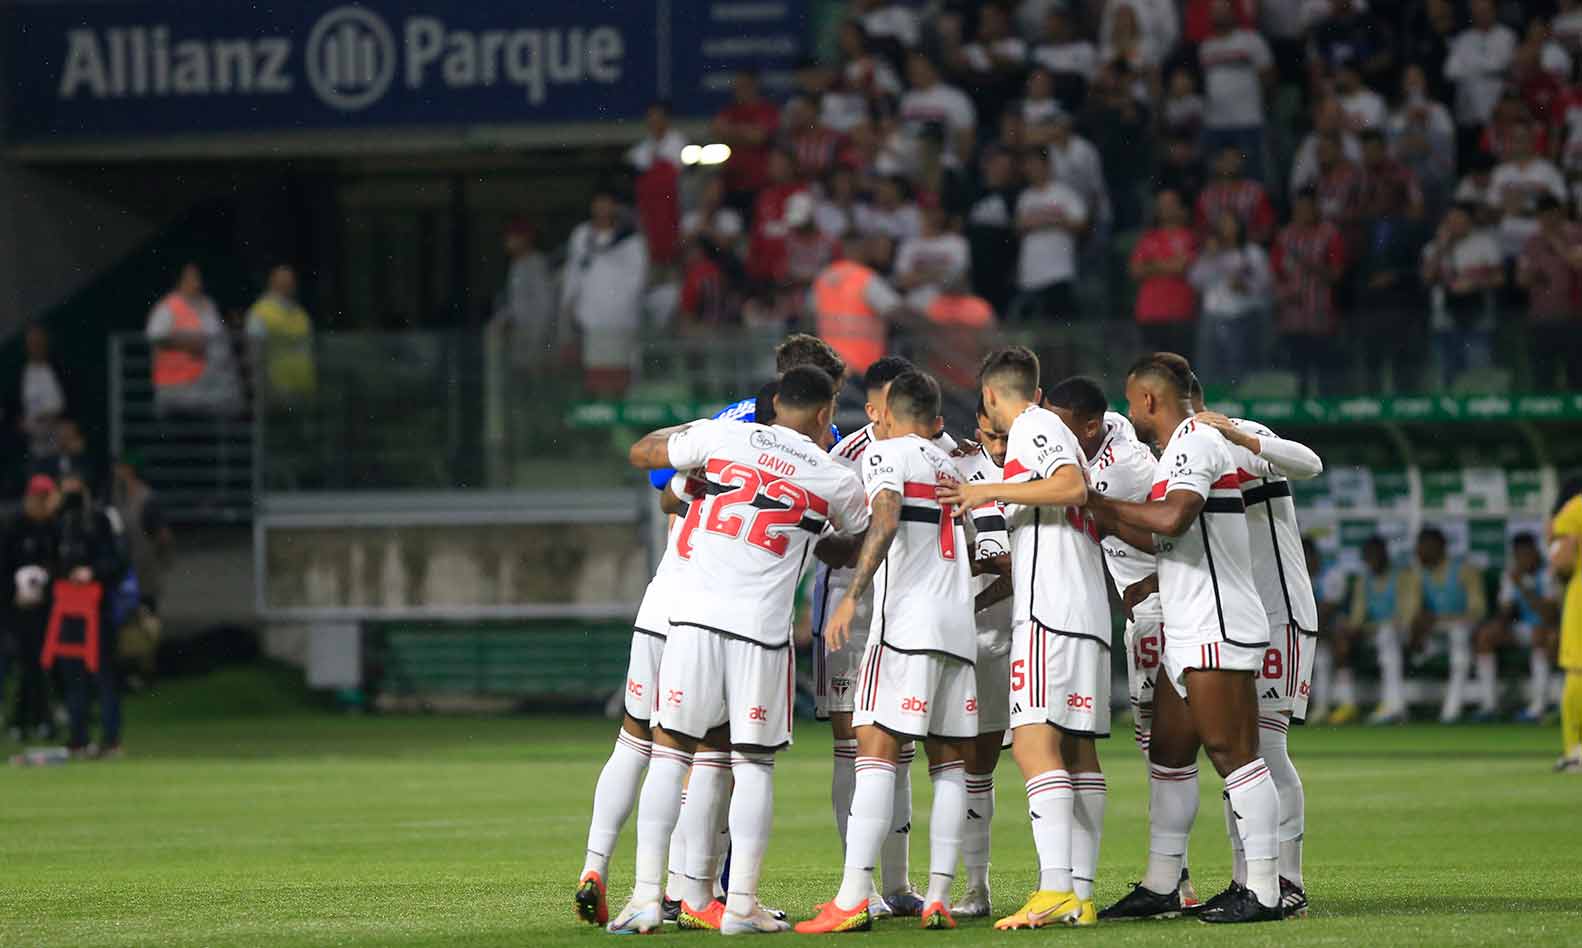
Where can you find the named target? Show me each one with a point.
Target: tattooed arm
(886, 519)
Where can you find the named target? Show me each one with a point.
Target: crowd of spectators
(1362, 193)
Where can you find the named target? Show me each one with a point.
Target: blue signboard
(103, 70)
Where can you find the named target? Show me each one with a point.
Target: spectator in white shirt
(601, 292)
(1075, 162)
(1039, 105)
(714, 219)
(1068, 56)
(662, 143)
(893, 214)
(1516, 186)
(1125, 40)
(889, 22)
(1364, 108)
(838, 208)
(1182, 111)
(931, 261)
(1478, 60)
(1158, 22)
(862, 71)
(1237, 67)
(1328, 119)
(1050, 216)
(1462, 268)
(42, 399)
(932, 102)
(1566, 27)
(996, 48)
(1232, 277)
(1422, 136)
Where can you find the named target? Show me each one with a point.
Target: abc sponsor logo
(1080, 702)
(758, 714)
(635, 688)
(971, 707)
(674, 696)
(914, 705)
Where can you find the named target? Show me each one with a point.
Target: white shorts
(653, 613)
(917, 694)
(992, 674)
(1182, 657)
(1061, 679)
(642, 675)
(1285, 677)
(835, 673)
(708, 679)
(1144, 649)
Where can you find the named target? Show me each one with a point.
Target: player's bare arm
(669, 503)
(1104, 518)
(997, 591)
(1064, 488)
(652, 451)
(1169, 517)
(885, 521)
(1138, 591)
(1291, 458)
(992, 565)
(839, 552)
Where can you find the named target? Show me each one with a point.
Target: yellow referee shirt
(1568, 523)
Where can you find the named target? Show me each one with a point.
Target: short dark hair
(1376, 541)
(806, 386)
(764, 408)
(1079, 395)
(885, 371)
(914, 396)
(662, 105)
(1151, 366)
(1370, 135)
(799, 348)
(1014, 367)
(1180, 364)
(1431, 533)
(983, 410)
(1525, 538)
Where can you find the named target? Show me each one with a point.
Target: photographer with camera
(89, 553)
(29, 559)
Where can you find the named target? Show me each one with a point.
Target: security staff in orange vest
(962, 321)
(194, 369)
(853, 306)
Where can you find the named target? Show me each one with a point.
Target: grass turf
(245, 813)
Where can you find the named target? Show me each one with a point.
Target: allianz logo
(350, 60)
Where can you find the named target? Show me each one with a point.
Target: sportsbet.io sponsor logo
(351, 59)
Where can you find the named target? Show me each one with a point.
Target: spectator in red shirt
(766, 252)
(1339, 191)
(748, 125)
(1233, 192)
(708, 300)
(1199, 18)
(1309, 259)
(1166, 304)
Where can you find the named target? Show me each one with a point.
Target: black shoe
(1223, 897)
(1240, 905)
(1141, 903)
(1293, 899)
(670, 910)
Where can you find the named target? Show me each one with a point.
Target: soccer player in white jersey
(1060, 679)
(1265, 465)
(835, 677)
(1214, 643)
(727, 679)
(991, 549)
(916, 680)
(616, 791)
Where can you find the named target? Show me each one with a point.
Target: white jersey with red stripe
(1123, 469)
(1117, 423)
(922, 594)
(1057, 566)
(990, 538)
(771, 494)
(829, 583)
(653, 614)
(1279, 564)
(1205, 575)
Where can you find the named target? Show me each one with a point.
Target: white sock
(1460, 670)
(1275, 751)
(1050, 806)
(841, 781)
(871, 802)
(946, 823)
(1392, 669)
(1086, 829)
(896, 856)
(675, 879)
(752, 812)
(657, 811)
(720, 843)
(1238, 855)
(1172, 806)
(1345, 687)
(1488, 692)
(1255, 804)
(613, 797)
(975, 840)
(700, 817)
(1538, 677)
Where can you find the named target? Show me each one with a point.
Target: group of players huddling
(960, 599)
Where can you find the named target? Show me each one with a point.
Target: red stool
(74, 601)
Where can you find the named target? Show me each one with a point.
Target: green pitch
(247, 815)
